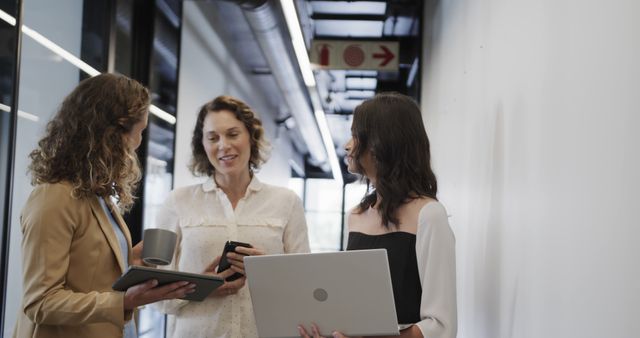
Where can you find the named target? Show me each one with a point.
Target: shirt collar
(211, 185)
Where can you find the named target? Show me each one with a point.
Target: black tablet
(205, 284)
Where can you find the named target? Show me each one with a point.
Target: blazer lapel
(125, 229)
(107, 229)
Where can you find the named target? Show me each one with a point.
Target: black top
(403, 266)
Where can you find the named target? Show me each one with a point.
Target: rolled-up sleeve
(435, 251)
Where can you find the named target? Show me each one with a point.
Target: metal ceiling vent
(263, 19)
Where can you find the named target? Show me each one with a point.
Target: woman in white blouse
(389, 147)
(228, 145)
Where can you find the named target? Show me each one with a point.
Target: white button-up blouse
(268, 217)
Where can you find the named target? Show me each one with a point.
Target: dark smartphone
(230, 246)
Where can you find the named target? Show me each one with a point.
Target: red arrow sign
(387, 56)
(356, 54)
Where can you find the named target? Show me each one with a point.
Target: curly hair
(84, 143)
(200, 164)
(390, 126)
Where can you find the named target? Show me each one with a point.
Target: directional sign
(352, 54)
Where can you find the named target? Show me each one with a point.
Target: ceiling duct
(264, 22)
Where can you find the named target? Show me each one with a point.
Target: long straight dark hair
(390, 126)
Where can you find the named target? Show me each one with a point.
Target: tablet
(205, 284)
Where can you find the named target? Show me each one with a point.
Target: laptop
(347, 291)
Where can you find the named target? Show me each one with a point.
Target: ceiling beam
(355, 17)
(350, 0)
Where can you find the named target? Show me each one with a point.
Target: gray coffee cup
(158, 246)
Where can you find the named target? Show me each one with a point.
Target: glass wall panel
(323, 195)
(323, 206)
(163, 84)
(297, 185)
(45, 79)
(323, 209)
(123, 22)
(353, 193)
(8, 51)
(7, 67)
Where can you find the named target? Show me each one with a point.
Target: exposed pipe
(263, 19)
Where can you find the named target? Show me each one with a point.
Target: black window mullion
(141, 50)
(11, 146)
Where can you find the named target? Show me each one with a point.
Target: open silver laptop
(348, 291)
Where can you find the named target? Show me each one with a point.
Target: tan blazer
(70, 259)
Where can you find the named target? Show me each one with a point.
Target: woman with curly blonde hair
(228, 146)
(75, 242)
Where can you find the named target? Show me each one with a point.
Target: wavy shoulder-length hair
(85, 144)
(200, 164)
(390, 126)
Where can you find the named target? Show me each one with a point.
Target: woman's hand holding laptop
(411, 331)
(316, 333)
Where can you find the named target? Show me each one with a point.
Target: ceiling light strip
(296, 167)
(162, 114)
(60, 51)
(291, 16)
(412, 72)
(8, 18)
(321, 118)
(300, 49)
(328, 143)
(74, 61)
(21, 113)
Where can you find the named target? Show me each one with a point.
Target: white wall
(532, 108)
(206, 71)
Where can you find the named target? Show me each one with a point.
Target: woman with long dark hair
(389, 147)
